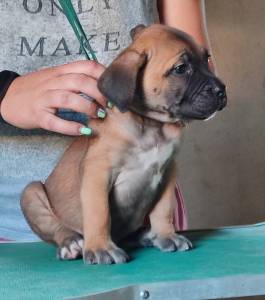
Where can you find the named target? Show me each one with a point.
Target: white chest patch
(143, 170)
(156, 156)
(156, 179)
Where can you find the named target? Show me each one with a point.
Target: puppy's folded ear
(135, 32)
(119, 81)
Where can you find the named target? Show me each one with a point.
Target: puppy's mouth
(203, 108)
(210, 117)
(177, 115)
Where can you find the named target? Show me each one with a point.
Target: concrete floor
(222, 161)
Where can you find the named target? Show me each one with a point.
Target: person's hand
(32, 100)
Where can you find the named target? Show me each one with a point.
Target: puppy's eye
(180, 69)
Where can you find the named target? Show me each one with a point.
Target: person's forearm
(186, 15)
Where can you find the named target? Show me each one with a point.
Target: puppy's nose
(221, 94)
(219, 91)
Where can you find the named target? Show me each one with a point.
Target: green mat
(31, 271)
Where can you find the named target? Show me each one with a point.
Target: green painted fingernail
(110, 105)
(101, 113)
(85, 131)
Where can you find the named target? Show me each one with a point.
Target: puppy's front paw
(175, 242)
(109, 255)
(71, 248)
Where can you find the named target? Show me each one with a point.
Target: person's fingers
(78, 83)
(53, 123)
(88, 67)
(64, 99)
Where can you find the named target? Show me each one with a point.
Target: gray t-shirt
(36, 34)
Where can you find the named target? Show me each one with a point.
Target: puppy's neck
(135, 125)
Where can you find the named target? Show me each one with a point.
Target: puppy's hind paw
(70, 249)
(110, 255)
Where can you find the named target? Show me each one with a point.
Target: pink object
(2, 240)
(180, 217)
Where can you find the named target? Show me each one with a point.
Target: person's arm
(186, 15)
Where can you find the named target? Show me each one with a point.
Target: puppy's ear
(119, 81)
(136, 31)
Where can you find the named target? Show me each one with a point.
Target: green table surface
(31, 270)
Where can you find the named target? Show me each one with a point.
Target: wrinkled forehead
(165, 42)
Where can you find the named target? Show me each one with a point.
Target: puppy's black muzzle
(218, 91)
(204, 96)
